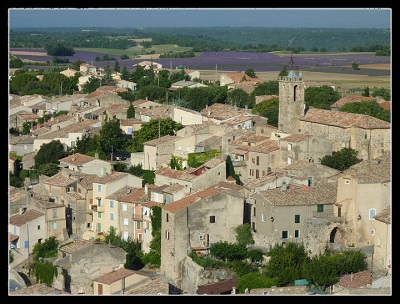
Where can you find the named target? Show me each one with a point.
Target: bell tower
(291, 99)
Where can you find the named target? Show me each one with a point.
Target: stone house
(25, 229)
(17, 198)
(83, 261)
(129, 125)
(167, 193)
(145, 104)
(260, 158)
(67, 135)
(186, 84)
(157, 152)
(211, 143)
(86, 68)
(369, 136)
(220, 113)
(236, 78)
(279, 215)
(186, 116)
(69, 72)
(117, 111)
(159, 112)
(102, 206)
(364, 190)
(124, 212)
(194, 223)
(118, 281)
(304, 147)
(210, 173)
(383, 239)
(56, 218)
(126, 84)
(21, 145)
(80, 163)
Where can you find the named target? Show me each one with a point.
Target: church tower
(291, 100)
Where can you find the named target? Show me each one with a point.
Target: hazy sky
(200, 17)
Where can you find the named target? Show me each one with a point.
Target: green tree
(117, 67)
(284, 71)
(153, 257)
(239, 98)
(320, 97)
(243, 234)
(111, 137)
(20, 81)
(91, 85)
(48, 169)
(59, 49)
(366, 92)
(341, 160)
(254, 280)
(230, 170)
(382, 92)
(370, 107)
(266, 88)
(125, 73)
(286, 263)
(269, 109)
(130, 113)
(250, 73)
(49, 153)
(355, 66)
(150, 131)
(228, 252)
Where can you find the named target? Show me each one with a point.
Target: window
(167, 235)
(289, 161)
(99, 202)
(125, 221)
(124, 207)
(111, 204)
(54, 213)
(98, 227)
(263, 217)
(180, 148)
(257, 173)
(167, 217)
(284, 234)
(297, 233)
(98, 188)
(137, 225)
(289, 147)
(111, 216)
(38, 227)
(55, 226)
(297, 218)
(372, 213)
(212, 218)
(126, 234)
(99, 215)
(346, 181)
(254, 211)
(253, 160)
(372, 231)
(15, 229)
(257, 160)
(320, 208)
(26, 244)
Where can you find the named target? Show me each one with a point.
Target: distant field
(343, 82)
(374, 71)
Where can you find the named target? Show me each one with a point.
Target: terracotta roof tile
(27, 216)
(344, 120)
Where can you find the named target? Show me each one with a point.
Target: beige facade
(105, 210)
(383, 239)
(364, 190)
(304, 147)
(198, 220)
(186, 116)
(279, 215)
(117, 282)
(157, 152)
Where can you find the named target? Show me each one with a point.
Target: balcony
(97, 208)
(238, 163)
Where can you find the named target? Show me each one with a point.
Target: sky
(200, 17)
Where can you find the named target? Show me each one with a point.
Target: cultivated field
(343, 82)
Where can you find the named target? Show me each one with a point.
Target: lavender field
(239, 61)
